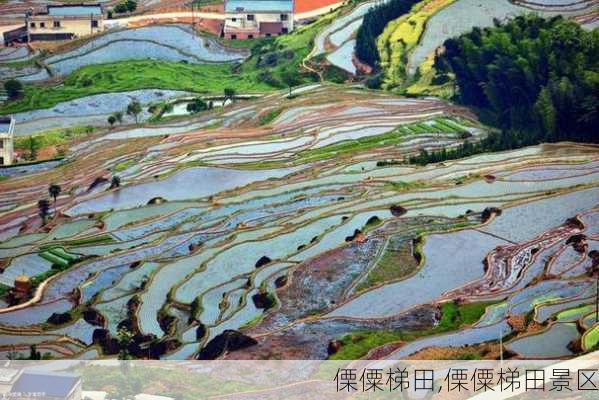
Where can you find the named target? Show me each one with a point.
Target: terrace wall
(42, 27)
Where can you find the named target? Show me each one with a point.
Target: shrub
(197, 105)
(13, 88)
(268, 78)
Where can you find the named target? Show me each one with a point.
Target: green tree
(115, 182)
(14, 88)
(111, 120)
(134, 109)
(33, 353)
(32, 145)
(125, 338)
(534, 78)
(373, 25)
(197, 105)
(229, 94)
(118, 116)
(125, 6)
(131, 5)
(290, 79)
(546, 112)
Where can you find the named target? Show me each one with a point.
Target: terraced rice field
(167, 43)
(337, 38)
(302, 231)
(176, 43)
(91, 110)
(447, 23)
(409, 41)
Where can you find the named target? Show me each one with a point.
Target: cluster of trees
(125, 6)
(34, 354)
(115, 117)
(536, 79)
(493, 142)
(197, 105)
(374, 23)
(133, 109)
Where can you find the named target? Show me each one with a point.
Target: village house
(7, 132)
(257, 18)
(63, 22)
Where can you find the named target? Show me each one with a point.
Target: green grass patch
(3, 289)
(575, 312)
(54, 259)
(591, 338)
(140, 74)
(395, 263)
(100, 239)
(270, 116)
(59, 256)
(394, 137)
(53, 137)
(274, 63)
(450, 125)
(124, 165)
(453, 317)
(372, 223)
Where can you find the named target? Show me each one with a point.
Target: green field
(453, 317)
(132, 75)
(275, 63)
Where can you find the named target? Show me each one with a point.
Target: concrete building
(63, 22)
(248, 19)
(42, 385)
(7, 135)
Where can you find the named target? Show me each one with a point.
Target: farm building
(7, 132)
(257, 18)
(62, 22)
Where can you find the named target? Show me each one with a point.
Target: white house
(257, 18)
(65, 21)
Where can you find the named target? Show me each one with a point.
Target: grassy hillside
(275, 63)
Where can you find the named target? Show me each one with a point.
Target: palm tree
(43, 208)
(54, 191)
